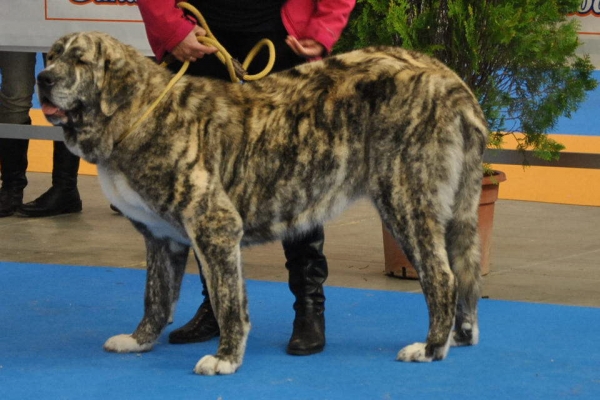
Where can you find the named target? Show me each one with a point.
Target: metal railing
(566, 160)
(492, 156)
(14, 131)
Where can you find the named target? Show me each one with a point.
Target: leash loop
(237, 71)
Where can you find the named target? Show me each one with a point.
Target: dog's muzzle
(46, 80)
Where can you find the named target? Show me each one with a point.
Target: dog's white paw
(211, 365)
(125, 344)
(414, 352)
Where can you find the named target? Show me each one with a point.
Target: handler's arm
(170, 31)
(328, 21)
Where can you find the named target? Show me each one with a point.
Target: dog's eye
(54, 53)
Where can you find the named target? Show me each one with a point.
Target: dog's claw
(212, 365)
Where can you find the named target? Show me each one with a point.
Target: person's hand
(189, 49)
(307, 48)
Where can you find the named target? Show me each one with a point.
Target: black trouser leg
(13, 167)
(307, 268)
(13, 162)
(65, 166)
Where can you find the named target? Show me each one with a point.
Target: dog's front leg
(216, 241)
(166, 262)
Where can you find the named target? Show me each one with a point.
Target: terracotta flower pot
(396, 263)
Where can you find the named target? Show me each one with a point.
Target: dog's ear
(118, 83)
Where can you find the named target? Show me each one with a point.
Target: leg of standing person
(63, 196)
(307, 268)
(18, 82)
(306, 262)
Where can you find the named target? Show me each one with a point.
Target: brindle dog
(217, 165)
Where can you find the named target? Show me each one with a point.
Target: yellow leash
(170, 85)
(237, 71)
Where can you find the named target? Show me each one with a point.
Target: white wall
(33, 25)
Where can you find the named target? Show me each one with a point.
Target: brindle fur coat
(219, 165)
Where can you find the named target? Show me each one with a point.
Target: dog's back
(373, 122)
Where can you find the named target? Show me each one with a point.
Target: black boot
(63, 196)
(13, 164)
(307, 268)
(202, 327)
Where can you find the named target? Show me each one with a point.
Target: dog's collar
(152, 106)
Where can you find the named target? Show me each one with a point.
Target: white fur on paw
(414, 352)
(211, 365)
(125, 344)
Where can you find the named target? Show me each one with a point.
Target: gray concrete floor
(541, 252)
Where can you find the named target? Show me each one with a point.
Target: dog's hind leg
(462, 238)
(166, 262)
(420, 229)
(216, 235)
(463, 250)
(439, 287)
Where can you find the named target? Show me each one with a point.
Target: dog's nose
(46, 79)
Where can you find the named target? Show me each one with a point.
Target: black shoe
(308, 336)
(202, 327)
(55, 201)
(10, 201)
(115, 209)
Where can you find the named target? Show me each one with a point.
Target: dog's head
(86, 73)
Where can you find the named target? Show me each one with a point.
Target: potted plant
(518, 56)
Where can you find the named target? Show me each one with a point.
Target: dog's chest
(118, 191)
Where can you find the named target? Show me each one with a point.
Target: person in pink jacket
(301, 30)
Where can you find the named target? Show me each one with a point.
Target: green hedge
(517, 55)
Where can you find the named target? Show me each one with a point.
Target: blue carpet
(56, 318)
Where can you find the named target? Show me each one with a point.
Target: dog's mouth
(53, 113)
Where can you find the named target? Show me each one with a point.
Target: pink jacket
(320, 20)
